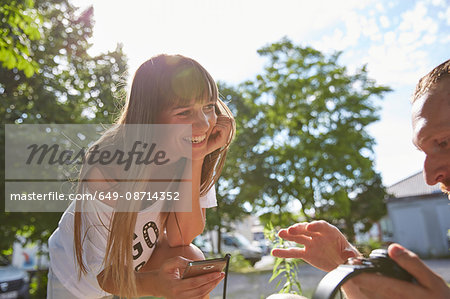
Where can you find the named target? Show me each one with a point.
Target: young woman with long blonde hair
(100, 248)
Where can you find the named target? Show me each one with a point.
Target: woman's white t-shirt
(62, 252)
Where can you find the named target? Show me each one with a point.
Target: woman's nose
(200, 122)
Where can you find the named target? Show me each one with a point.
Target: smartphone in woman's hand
(196, 268)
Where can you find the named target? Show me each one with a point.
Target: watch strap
(330, 284)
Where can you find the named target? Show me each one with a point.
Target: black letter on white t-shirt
(147, 226)
(138, 247)
(138, 267)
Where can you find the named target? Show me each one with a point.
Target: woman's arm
(146, 283)
(183, 227)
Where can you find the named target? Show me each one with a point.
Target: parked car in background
(14, 282)
(231, 243)
(260, 241)
(204, 245)
(235, 242)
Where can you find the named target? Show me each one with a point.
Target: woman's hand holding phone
(171, 284)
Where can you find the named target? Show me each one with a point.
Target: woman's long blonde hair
(160, 83)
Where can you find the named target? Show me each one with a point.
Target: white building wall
(421, 225)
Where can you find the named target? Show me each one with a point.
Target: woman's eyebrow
(181, 107)
(190, 105)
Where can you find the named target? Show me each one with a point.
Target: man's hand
(325, 246)
(171, 285)
(430, 285)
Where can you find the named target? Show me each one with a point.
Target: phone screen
(206, 266)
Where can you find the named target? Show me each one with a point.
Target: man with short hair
(431, 125)
(325, 247)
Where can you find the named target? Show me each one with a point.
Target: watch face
(379, 253)
(359, 261)
(354, 261)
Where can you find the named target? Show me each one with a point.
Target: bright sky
(400, 41)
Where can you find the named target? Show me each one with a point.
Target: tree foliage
(20, 24)
(71, 86)
(230, 197)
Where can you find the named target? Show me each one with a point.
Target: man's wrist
(348, 252)
(352, 291)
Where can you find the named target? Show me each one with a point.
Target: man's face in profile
(431, 132)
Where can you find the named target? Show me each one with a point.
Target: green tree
(230, 197)
(367, 207)
(314, 149)
(71, 86)
(20, 24)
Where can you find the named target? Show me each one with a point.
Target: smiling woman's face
(202, 117)
(431, 132)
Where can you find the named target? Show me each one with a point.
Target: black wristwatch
(378, 262)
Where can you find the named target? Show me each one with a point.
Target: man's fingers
(302, 239)
(298, 228)
(282, 231)
(318, 226)
(297, 253)
(386, 287)
(305, 240)
(413, 264)
(301, 229)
